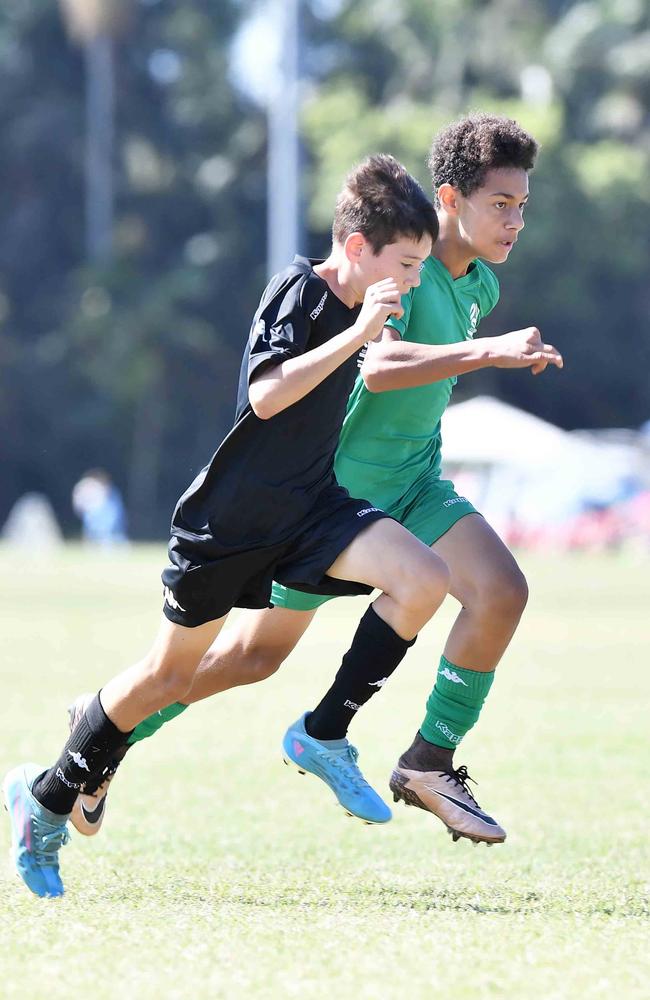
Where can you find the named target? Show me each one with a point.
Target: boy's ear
(354, 247)
(448, 198)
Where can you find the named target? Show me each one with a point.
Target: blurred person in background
(97, 501)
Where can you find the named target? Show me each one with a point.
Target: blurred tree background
(124, 353)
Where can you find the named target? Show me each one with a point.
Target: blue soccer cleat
(336, 765)
(36, 833)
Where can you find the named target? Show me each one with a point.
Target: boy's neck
(450, 250)
(333, 272)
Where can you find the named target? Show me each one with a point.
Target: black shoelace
(461, 777)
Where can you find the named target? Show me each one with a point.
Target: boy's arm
(392, 363)
(285, 383)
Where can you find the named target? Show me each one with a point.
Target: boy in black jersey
(268, 506)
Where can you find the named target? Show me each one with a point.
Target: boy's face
(400, 261)
(491, 218)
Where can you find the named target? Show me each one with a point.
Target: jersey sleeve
(402, 323)
(281, 329)
(489, 294)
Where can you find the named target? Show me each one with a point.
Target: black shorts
(205, 580)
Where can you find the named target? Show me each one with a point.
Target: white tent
(485, 431)
(512, 464)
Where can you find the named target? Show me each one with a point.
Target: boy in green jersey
(389, 451)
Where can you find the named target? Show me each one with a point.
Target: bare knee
(503, 596)
(422, 586)
(260, 662)
(513, 593)
(245, 660)
(166, 682)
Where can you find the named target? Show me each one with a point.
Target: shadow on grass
(262, 891)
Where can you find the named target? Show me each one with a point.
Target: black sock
(89, 748)
(99, 777)
(425, 756)
(376, 651)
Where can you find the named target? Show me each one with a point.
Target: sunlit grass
(221, 873)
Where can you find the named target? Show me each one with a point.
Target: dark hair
(384, 203)
(462, 153)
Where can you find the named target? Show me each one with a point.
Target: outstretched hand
(525, 349)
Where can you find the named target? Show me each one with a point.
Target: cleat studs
(290, 762)
(395, 797)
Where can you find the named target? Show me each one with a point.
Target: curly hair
(464, 151)
(384, 202)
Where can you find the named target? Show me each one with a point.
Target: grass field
(221, 873)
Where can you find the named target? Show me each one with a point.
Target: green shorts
(428, 510)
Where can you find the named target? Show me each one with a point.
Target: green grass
(221, 873)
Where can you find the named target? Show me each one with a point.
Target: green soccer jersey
(390, 441)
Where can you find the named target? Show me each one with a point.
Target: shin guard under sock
(376, 651)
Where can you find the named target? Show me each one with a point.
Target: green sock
(151, 725)
(455, 703)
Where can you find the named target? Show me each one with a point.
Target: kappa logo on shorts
(367, 510)
(450, 503)
(315, 313)
(171, 600)
(259, 332)
(350, 704)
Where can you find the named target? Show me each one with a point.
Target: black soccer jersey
(266, 477)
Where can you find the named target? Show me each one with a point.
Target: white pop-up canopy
(486, 431)
(527, 466)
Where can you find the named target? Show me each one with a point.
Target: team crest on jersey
(474, 317)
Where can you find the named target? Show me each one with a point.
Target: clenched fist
(383, 299)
